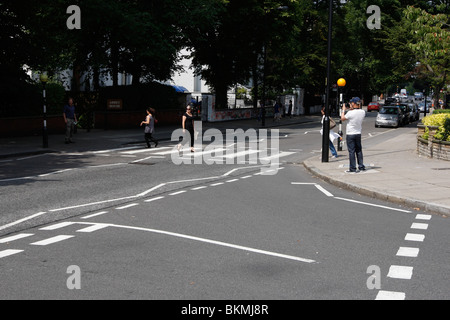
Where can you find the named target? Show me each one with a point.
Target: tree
(430, 43)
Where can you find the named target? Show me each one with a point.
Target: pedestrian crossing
(227, 154)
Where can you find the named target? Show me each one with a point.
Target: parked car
(389, 116)
(414, 114)
(422, 107)
(418, 95)
(405, 114)
(373, 106)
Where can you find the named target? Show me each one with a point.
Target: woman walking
(333, 136)
(188, 125)
(149, 127)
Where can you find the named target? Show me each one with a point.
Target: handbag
(332, 124)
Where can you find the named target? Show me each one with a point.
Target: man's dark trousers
(354, 147)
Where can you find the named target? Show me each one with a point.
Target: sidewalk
(99, 139)
(395, 173)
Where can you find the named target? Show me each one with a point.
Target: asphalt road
(130, 224)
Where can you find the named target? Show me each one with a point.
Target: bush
(440, 120)
(441, 111)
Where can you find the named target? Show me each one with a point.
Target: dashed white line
(423, 217)
(16, 237)
(154, 199)
(415, 237)
(94, 215)
(199, 188)
(51, 240)
(9, 252)
(420, 226)
(127, 206)
(177, 193)
(57, 226)
(93, 228)
(408, 252)
(232, 180)
(390, 295)
(400, 272)
(217, 184)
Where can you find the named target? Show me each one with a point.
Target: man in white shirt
(355, 117)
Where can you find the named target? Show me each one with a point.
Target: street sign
(114, 104)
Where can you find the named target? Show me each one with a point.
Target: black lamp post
(341, 83)
(326, 120)
(44, 79)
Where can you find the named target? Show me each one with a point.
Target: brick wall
(432, 148)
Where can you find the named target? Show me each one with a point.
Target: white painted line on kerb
(51, 240)
(415, 237)
(400, 272)
(154, 199)
(324, 191)
(9, 252)
(408, 252)
(16, 237)
(127, 206)
(373, 205)
(423, 217)
(93, 228)
(390, 295)
(57, 226)
(420, 226)
(94, 215)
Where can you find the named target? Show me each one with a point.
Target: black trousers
(149, 138)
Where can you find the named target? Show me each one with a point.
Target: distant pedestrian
(277, 112)
(333, 136)
(70, 119)
(187, 123)
(290, 109)
(355, 117)
(149, 127)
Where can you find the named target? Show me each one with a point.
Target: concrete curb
(404, 201)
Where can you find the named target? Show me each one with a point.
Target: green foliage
(442, 121)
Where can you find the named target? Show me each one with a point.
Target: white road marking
(108, 165)
(154, 199)
(400, 272)
(322, 189)
(390, 295)
(372, 205)
(246, 177)
(31, 157)
(423, 217)
(93, 228)
(420, 226)
(219, 243)
(217, 184)
(127, 206)
(16, 237)
(57, 226)
(232, 180)
(303, 183)
(147, 150)
(94, 215)
(199, 188)
(22, 220)
(408, 252)
(177, 193)
(9, 252)
(51, 240)
(415, 237)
